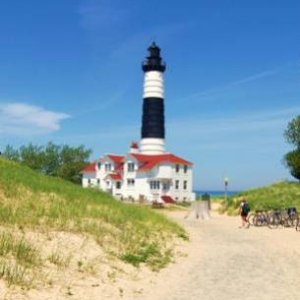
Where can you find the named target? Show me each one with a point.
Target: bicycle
(275, 219)
(285, 217)
(259, 218)
(292, 216)
(298, 223)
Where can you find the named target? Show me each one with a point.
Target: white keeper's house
(147, 172)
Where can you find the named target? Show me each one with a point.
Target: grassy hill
(276, 196)
(31, 202)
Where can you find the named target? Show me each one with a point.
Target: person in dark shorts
(244, 211)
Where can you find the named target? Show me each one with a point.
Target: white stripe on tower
(153, 85)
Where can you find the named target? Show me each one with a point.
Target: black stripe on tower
(153, 120)
(154, 62)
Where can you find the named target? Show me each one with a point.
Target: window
(177, 168)
(176, 184)
(98, 181)
(130, 167)
(185, 185)
(166, 186)
(89, 181)
(118, 185)
(154, 185)
(107, 167)
(130, 182)
(185, 168)
(99, 165)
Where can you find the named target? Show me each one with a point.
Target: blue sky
(70, 72)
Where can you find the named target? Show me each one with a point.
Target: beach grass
(29, 200)
(280, 195)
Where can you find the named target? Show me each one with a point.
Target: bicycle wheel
(258, 220)
(292, 220)
(298, 223)
(285, 220)
(266, 219)
(274, 220)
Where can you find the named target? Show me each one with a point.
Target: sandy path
(226, 262)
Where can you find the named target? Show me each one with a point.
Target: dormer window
(130, 167)
(185, 168)
(107, 167)
(99, 165)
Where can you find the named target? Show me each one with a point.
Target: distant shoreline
(216, 193)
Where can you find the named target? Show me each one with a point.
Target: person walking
(244, 211)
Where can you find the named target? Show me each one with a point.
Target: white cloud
(21, 118)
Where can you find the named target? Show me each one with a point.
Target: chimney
(134, 147)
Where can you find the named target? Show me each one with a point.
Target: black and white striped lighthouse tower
(153, 120)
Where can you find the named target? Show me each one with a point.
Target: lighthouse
(146, 173)
(153, 120)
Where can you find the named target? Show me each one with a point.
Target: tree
(32, 156)
(54, 160)
(292, 161)
(10, 153)
(292, 133)
(292, 158)
(72, 160)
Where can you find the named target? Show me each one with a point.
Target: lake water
(216, 193)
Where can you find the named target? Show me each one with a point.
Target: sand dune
(221, 261)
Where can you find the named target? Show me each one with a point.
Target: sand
(226, 262)
(221, 261)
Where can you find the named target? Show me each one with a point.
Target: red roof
(150, 161)
(91, 168)
(115, 176)
(118, 159)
